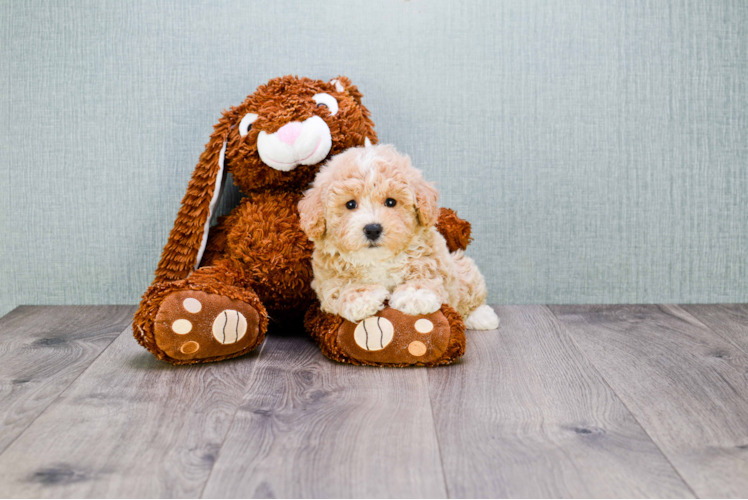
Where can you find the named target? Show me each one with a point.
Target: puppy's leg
(483, 318)
(472, 292)
(419, 297)
(361, 302)
(352, 302)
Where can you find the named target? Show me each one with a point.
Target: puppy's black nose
(373, 231)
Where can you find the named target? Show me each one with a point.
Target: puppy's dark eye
(351, 205)
(390, 202)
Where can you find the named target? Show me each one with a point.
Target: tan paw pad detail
(229, 326)
(424, 326)
(189, 347)
(192, 305)
(374, 334)
(181, 327)
(417, 348)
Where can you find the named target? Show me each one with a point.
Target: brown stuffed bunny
(216, 288)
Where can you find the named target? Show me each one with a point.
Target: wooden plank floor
(561, 401)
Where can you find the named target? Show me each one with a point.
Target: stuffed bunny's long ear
(189, 236)
(220, 183)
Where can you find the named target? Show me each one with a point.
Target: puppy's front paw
(415, 301)
(360, 304)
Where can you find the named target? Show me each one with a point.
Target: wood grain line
(43, 350)
(525, 414)
(729, 321)
(309, 427)
(686, 385)
(129, 426)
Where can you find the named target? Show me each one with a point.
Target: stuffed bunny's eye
(246, 123)
(327, 101)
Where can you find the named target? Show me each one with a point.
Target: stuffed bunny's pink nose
(289, 132)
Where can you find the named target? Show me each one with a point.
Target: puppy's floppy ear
(427, 202)
(189, 235)
(312, 212)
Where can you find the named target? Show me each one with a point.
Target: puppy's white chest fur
(387, 274)
(367, 267)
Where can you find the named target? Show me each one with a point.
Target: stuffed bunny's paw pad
(196, 325)
(393, 338)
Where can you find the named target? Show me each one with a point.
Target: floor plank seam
(633, 415)
(695, 316)
(233, 417)
(51, 403)
(436, 436)
(565, 404)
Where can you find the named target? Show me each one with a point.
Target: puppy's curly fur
(403, 259)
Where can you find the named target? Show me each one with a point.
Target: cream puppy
(371, 216)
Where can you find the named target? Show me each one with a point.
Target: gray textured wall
(599, 148)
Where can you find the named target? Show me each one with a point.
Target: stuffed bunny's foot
(194, 325)
(390, 337)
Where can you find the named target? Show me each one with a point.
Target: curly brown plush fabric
(328, 331)
(258, 253)
(455, 230)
